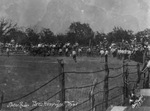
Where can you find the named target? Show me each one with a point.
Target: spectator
(74, 55)
(7, 51)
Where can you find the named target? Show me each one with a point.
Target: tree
(18, 35)
(99, 37)
(32, 36)
(118, 35)
(6, 26)
(145, 34)
(62, 38)
(47, 36)
(80, 33)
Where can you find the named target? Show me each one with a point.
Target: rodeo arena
(70, 87)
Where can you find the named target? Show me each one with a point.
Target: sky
(102, 15)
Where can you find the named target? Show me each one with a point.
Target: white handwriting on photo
(41, 104)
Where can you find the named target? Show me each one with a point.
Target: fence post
(126, 81)
(139, 75)
(2, 98)
(144, 55)
(147, 79)
(61, 84)
(144, 81)
(91, 95)
(106, 59)
(124, 87)
(144, 73)
(106, 91)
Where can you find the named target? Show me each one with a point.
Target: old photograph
(74, 55)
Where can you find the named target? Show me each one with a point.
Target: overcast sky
(102, 15)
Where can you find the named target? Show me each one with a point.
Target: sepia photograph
(74, 55)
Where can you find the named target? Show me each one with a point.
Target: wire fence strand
(115, 76)
(116, 68)
(106, 101)
(94, 94)
(132, 65)
(132, 73)
(5, 102)
(79, 104)
(77, 87)
(75, 72)
(86, 86)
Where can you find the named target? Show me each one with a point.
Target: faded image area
(102, 15)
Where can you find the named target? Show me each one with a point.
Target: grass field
(23, 74)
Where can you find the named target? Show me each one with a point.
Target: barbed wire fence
(97, 96)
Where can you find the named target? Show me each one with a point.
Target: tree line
(78, 32)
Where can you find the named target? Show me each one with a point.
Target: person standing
(66, 52)
(74, 55)
(7, 51)
(106, 55)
